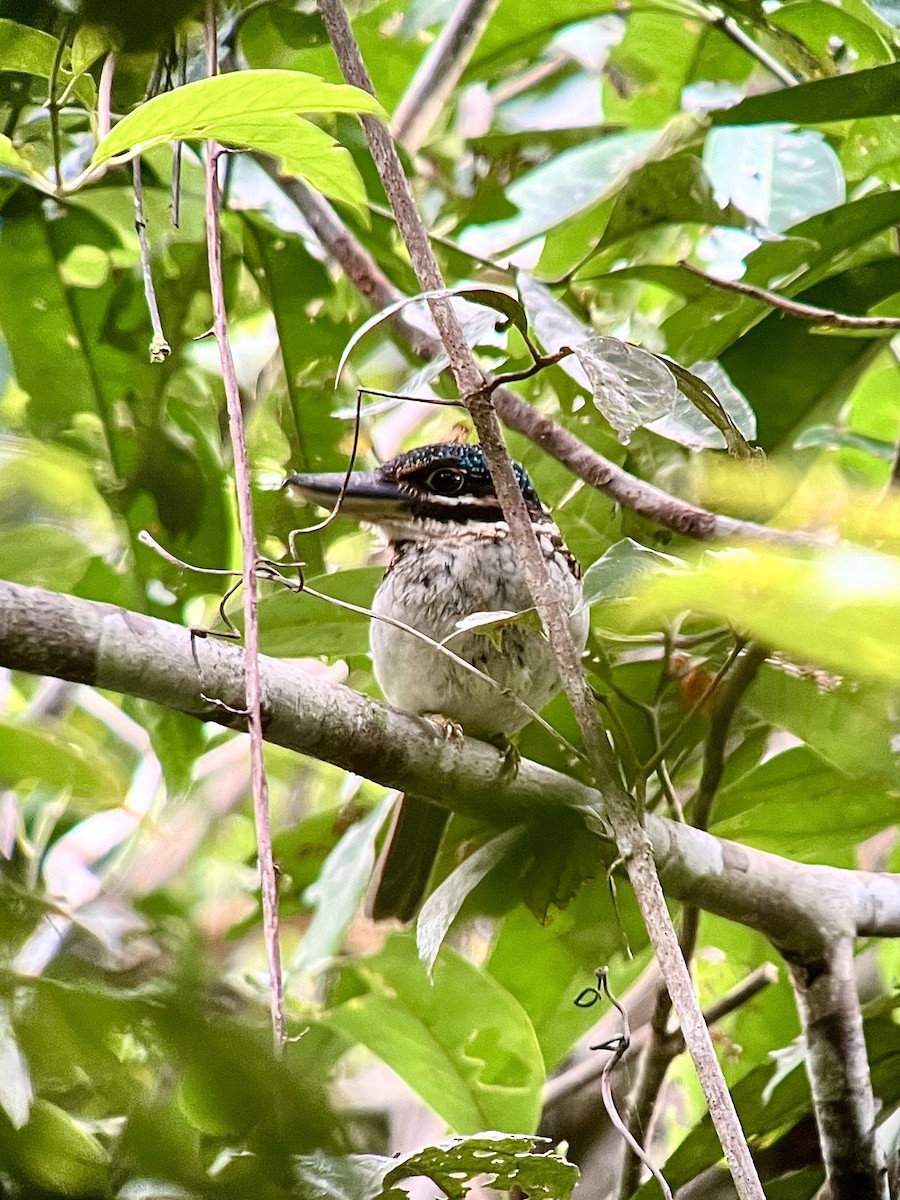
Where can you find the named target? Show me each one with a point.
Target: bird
(452, 557)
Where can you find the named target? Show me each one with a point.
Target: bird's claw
(452, 730)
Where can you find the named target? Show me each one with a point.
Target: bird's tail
(404, 869)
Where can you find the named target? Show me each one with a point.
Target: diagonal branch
(632, 841)
(433, 83)
(630, 492)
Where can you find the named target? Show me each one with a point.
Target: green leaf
(486, 1073)
(847, 725)
(871, 93)
(797, 805)
(33, 52)
(705, 400)
(622, 571)
(56, 1153)
(67, 761)
(251, 110)
(11, 159)
(442, 907)
(337, 892)
(565, 185)
(292, 625)
(675, 190)
(837, 609)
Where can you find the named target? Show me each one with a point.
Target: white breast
(431, 586)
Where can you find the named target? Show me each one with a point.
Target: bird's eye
(446, 481)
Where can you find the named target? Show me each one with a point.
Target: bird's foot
(452, 730)
(509, 767)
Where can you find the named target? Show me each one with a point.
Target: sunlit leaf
(835, 608)
(256, 110)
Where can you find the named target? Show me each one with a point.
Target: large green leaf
(475, 1072)
(251, 110)
(796, 804)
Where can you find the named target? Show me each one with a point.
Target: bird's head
(432, 491)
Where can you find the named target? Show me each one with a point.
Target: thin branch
(794, 308)
(800, 908)
(661, 1050)
(828, 1002)
(632, 841)
(252, 695)
(745, 671)
(159, 346)
(740, 37)
(53, 102)
(439, 72)
(597, 471)
(178, 149)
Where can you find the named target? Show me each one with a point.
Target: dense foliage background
(577, 145)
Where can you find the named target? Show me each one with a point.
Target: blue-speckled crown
(470, 459)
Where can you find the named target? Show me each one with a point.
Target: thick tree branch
(828, 1002)
(621, 487)
(802, 909)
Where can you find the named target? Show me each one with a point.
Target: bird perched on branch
(453, 558)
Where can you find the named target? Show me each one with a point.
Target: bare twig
(249, 552)
(178, 149)
(104, 95)
(794, 308)
(632, 841)
(619, 1046)
(838, 1070)
(159, 346)
(53, 102)
(733, 680)
(740, 37)
(439, 72)
(597, 471)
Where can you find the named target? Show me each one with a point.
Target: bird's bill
(367, 496)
